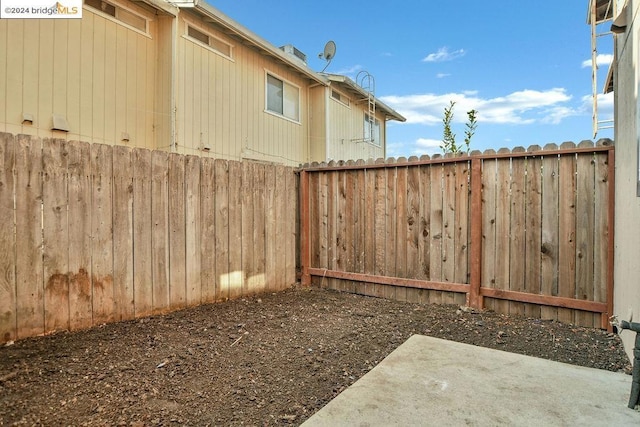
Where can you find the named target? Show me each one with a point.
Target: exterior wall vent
(291, 50)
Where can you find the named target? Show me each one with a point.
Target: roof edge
(346, 80)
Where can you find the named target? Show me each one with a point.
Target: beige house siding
(627, 207)
(221, 102)
(162, 88)
(98, 74)
(346, 131)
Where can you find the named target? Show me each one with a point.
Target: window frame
(341, 98)
(284, 82)
(210, 35)
(377, 126)
(114, 18)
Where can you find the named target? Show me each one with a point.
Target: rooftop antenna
(328, 54)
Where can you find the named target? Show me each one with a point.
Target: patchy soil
(267, 360)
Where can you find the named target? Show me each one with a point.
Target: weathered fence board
(550, 227)
(29, 279)
(102, 232)
(160, 232)
(109, 233)
(193, 231)
(177, 233)
(123, 291)
(7, 241)
(143, 230)
(55, 233)
(529, 217)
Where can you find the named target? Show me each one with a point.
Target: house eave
(345, 82)
(212, 15)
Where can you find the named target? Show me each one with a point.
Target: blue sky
(522, 65)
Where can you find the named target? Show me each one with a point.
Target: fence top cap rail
(566, 148)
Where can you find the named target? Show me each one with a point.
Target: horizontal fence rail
(92, 233)
(526, 232)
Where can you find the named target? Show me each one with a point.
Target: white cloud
(442, 75)
(521, 107)
(605, 105)
(601, 59)
(443, 54)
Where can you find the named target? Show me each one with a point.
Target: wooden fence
(524, 232)
(91, 233)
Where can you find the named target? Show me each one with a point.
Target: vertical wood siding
(98, 74)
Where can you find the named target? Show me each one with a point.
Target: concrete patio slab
(429, 381)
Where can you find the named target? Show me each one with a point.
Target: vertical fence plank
(602, 230)
(448, 229)
(236, 278)
(8, 302)
(413, 215)
(280, 224)
(177, 230)
(160, 231)
(360, 234)
(29, 280)
(391, 228)
(316, 204)
(503, 231)
(402, 228)
(332, 224)
(533, 221)
(349, 219)
(193, 230)
(323, 224)
(489, 195)
(550, 224)
(259, 231)
(248, 248)
(124, 303)
(56, 235)
(208, 230)
(380, 212)
(436, 232)
(517, 218)
(102, 232)
(270, 227)
(292, 222)
(585, 223)
(79, 202)
(462, 228)
(369, 208)
(424, 237)
(339, 243)
(222, 229)
(567, 231)
(142, 233)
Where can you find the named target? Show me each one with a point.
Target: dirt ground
(273, 359)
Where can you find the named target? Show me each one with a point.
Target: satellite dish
(329, 50)
(328, 54)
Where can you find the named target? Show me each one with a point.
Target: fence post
(611, 245)
(474, 299)
(305, 236)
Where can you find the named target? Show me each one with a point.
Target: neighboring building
(625, 81)
(179, 76)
